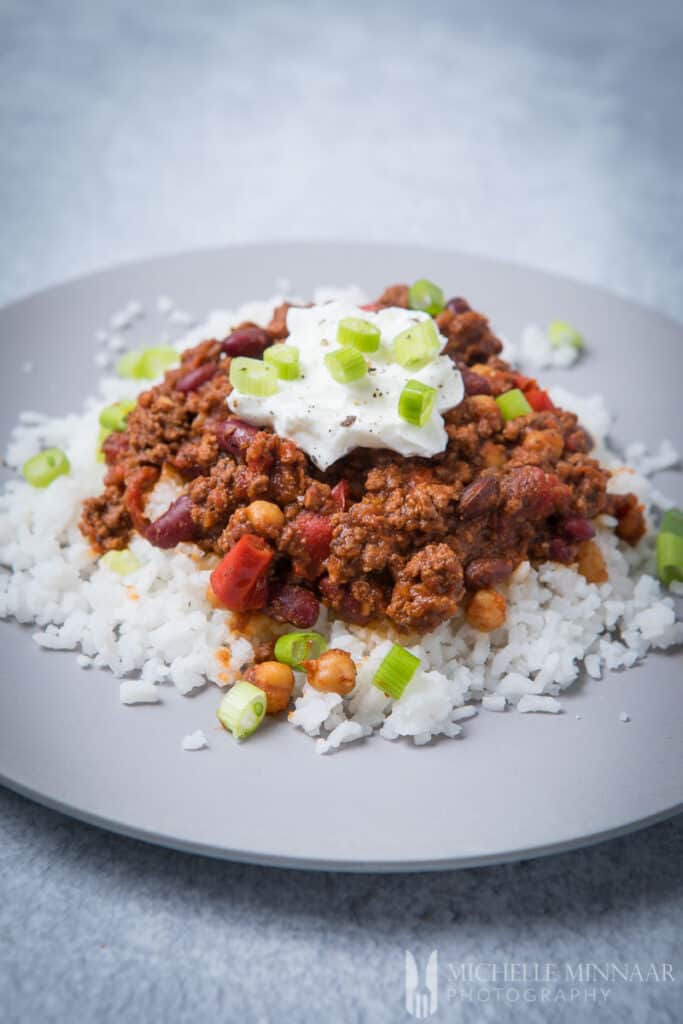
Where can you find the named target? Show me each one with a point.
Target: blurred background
(539, 131)
(547, 133)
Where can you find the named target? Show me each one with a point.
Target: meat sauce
(377, 536)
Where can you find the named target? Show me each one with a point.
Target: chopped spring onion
(358, 333)
(416, 346)
(284, 359)
(43, 468)
(396, 670)
(114, 416)
(346, 365)
(242, 709)
(120, 562)
(156, 360)
(129, 364)
(102, 435)
(670, 547)
(416, 402)
(294, 648)
(253, 377)
(561, 333)
(147, 363)
(427, 296)
(513, 404)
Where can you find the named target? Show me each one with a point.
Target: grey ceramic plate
(517, 786)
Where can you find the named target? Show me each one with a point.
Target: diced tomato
(240, 580)
(539, 400)
(371, 307)
(316, 533)
(340, 495)
(524, 383)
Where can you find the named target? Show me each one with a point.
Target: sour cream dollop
(327, 419)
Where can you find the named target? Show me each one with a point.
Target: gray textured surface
(547, 133)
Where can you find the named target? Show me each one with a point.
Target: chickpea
(486, 611)
(276, 681)
(266, 518)
(591, 563)
(333, 672)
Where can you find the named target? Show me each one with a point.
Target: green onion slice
(416, 346)
(346, 365)
(396, 670)
(43, 468)
(102, 435)
(114, 416)
(427, 296)
(147, 363)
(253, 377)
(416, 402)
(294, 648)
(358, 333)
(513, 404)
(284, 359)
(156, 360)
(670, 547)
(121, 562)
(129, 364)
(670, 558)
(242, 709)
(672, 522)
(561, 333)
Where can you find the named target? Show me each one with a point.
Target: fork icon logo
(422, 997)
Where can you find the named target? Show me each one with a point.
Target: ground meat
(378, 536)
(427, 590)
(394, 295)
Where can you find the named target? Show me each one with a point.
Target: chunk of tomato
(315, 532)
(539, 400)
(240, 580)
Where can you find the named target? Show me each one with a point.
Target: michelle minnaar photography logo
(422, 987)
(469, 981)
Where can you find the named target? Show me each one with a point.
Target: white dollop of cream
(327, 419)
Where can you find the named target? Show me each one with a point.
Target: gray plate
(516, 786)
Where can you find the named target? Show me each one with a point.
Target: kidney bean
(175, 525)
(479, 497)
(234, 436)
(485, 572)
(560, 551)
(195, 378)
(528, 492)
(458, 305)
(289, 603)
(247, 341)
(578, 528)
(474, 383)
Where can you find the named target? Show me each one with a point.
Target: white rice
(155, 630)
(194, 741)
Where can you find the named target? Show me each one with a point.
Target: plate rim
(215, 250)
(300, 863)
